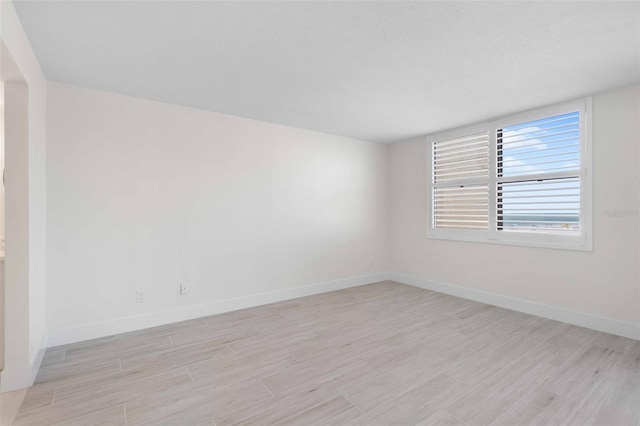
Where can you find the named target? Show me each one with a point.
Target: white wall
(25, 97)
(143, 195)
(603, 283)
(2, 168)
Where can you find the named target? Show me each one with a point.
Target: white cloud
(516, 138)
(519, 165)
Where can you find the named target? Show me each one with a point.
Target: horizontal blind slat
(546, 120)
(461, 207)
(548, 206)
(539, 142)
(523, 158)
(574, 128)
(460, 159)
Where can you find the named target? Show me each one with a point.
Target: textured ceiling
(380, 71)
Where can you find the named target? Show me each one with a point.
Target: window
(522, 180)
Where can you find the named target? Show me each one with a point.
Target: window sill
(531, 244)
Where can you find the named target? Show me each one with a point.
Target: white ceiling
(380, 71)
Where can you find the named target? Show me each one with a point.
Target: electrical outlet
(184, 288)
(139, 296)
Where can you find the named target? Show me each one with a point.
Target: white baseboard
(153, 319)
(608, 325)
(14, 378)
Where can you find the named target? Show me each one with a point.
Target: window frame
(582, 242)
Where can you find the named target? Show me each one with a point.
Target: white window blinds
(538, 175)
(461, 182)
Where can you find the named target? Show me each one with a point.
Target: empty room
(319, 213)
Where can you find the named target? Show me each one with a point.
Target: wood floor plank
(174, 357)
(194, 403)
(560, 347)
(219, 335)
(85, 343)
(417, 404)
(53, 356)
(536, 328)
(539, 408)
(75, 401)
(220, 372)
(39, 395)
(380, 354)
(610, 403)
(580, 376)
(477, 366)
(442, 418)
(272, 410)
(116, 349)
(70, 372)
(615, 343)
(111, 416)
(492, 397)
(278, 340)
(336, 411)
(312, 374)
(419, 364)
(617, 395)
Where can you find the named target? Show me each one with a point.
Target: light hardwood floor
(379, 354)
